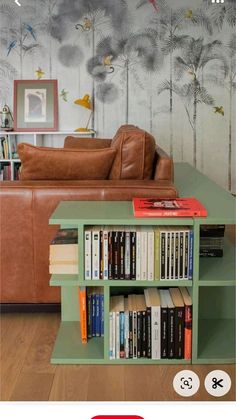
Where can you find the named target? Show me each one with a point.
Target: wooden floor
(27, 375)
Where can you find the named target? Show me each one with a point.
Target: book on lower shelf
(138, 253)
(168, 207)
(91, 303)
(212, 240)
(63, 252)
(156, 325)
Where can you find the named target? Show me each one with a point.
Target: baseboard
(30, 308)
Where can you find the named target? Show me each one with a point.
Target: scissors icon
(216, 383)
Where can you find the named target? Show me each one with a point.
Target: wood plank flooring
(27, 375)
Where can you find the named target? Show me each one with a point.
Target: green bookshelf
(212, 287)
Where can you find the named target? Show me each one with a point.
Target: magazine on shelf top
(168, 207)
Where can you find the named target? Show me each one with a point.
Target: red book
(158, 207)
(187, 323)
(83, 314)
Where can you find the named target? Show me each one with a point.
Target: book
(126, 333)
(178, 207)
(152, 298)
(83, 314)
(164, 324)
(95, 253)
(88, 253)
(187, 322)
(170, 321)
(63, 268)
(178, 322)
(141, 332)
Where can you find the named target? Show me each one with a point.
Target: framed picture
(35, 105)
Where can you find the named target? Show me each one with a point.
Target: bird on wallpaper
(189, 14)
(219, 110)
(30, 30)
(11, 46)
(39, 73)
(86, 26)
(63, 95)
(143, 2)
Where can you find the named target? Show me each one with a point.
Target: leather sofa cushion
(135, 154)
(46, 163)
(86, 143)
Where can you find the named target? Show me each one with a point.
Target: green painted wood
(221, 205)
(216, 340)
(69, 349)
(106, 212)
(219, 270)
(106, 322)
(69, 304)
(213, 340)
(60, 280)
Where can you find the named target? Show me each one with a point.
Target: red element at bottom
(118, 417)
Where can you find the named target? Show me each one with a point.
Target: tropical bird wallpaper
(168, 66)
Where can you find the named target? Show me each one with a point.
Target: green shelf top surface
(106, 212)
(220, 204)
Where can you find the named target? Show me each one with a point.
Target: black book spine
(179, 332)
(139, 334)
(122, 255)
(134, 334)
(211, 252)
(216, 231)
(110, 255)
(144, 334)
(172, 255)
(89, 315)
(186, 254)
(176, 255)
(115, 254)
(164, 319)
(149, 332)
(101, 255)
(130, 334)
(181, 244)
(170, 334)
(163, 255)
(133, 255)
(168, 257)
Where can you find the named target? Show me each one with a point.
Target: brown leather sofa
(27, 205)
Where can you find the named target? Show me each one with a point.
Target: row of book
(91, 303)
(155, 325)
(138, 253)
(6, 171)
(8, 149)
(212, 240)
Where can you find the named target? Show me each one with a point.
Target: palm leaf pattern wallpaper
(168, 66)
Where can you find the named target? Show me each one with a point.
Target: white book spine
(96, 255)
(178, 251)
(127, 254)
(138, 256)
(105, 254)
(126, 334)
(170, 253)
(111, 353)
(135, 335)
(150, 255)
(156, 332)
(117, 335)
(143, 255)
(186, 254)
(88, 254)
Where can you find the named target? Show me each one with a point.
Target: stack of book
(5, 171)
(212, 240)
(155, 325)
(4, 148)
(138, 253)
(63, 252)
(91, 302)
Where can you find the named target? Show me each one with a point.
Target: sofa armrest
(164, 168)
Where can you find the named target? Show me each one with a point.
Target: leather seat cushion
(86, 143)
(135, 154)
(46, 163)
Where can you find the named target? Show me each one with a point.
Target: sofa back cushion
(46, 163)
(135, 154)
(86, 143)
